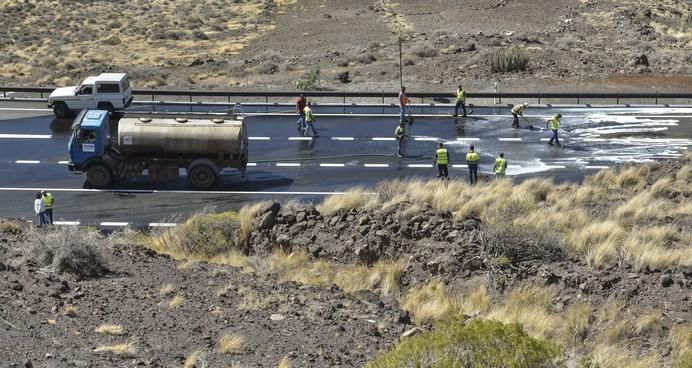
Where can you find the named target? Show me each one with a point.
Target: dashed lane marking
(597, 167)
(420, 165)
(287, 164)
(114, 224)
(383, 138)
(343, 138)
(26, 136)
(299, 138)
(27, 162)
(376, 165)
(162, 224)
(332, 165)
(66, 223)
(21, 109)
(252, 164)
(427, 139)
(468, 139)
(259, 138)
(63, 162)
(509, 139)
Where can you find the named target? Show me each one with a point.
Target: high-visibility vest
(473, 157)
(48, 200)
(500, 165)
(442, 156)
(403, 99)
(308, 114)
(555, 123)
(399, 131)
(518, 109)
(461, 95)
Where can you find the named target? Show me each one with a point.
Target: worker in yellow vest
(399, 134)
(500, 165)
(472, 159)
(554, 124)
(309, 121)
(442, 161)
(461, 101)
(48, 202)
(516, 111)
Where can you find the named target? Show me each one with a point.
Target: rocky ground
(59, 286)
(257, 44)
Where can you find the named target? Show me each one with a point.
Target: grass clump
(110, 329)
(233, 343)
(10, 228)
(167, 289)
(429, 302)
(476, 344)
(177, 301)
(506, 60)
(199, 238)
(126, 349)
(70, 310)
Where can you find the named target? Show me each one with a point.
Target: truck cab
(88, 143)
(107, 91)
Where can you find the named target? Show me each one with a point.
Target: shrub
(82, 260)
(425, 51)
(200, 237)
(10, 228)
(310, 80)
(503, 60)
(476, 344)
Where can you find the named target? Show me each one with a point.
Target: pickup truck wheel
(61, 110)
(202, 177)
(99, 176)
(106, 106)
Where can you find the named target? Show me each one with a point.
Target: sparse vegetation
(110, 329)
(10, 228)
(507, 60)
(310, 80)
(477, 343)
(70, 310)
(232, 343)
(126, 349)
(167, 289)
(177, 301)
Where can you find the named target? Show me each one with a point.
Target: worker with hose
(500, 166)
(403, 103)
(516, 111)
(399, 134)
(554, 124)
(301, 102)
(309, 121)
(461, 101)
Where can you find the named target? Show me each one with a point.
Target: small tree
(310, 80)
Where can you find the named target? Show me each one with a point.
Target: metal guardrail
(383, 95)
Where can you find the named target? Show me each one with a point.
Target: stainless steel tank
(180, 136)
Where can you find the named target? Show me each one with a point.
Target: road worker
(309, 121)
(554, 124)
(461, 101)
(500, 165)
(40, 210)
(301, 102)
(441, 160)
(400, 133)
(472, 159)
(516, 111)
(403, 103)
(48, 201)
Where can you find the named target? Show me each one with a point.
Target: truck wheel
(61, 110)
(99, 176)
(202, 176)
(106, 106)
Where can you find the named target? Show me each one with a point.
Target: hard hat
(526, 104)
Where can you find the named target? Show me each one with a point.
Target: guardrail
(496, 96)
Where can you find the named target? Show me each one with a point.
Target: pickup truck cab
(107, 91)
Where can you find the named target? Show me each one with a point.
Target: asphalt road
(354, 149)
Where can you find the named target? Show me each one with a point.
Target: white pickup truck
(107, 91)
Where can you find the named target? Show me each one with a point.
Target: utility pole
(401, 69)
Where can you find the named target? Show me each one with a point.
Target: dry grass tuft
(167, 289)
(232, 343)
(354, 198)
(177, 301)
(649, 323)
(245, 216)
(70, 310)
(616, 356)
(429, 302)
(576, 322)
(528, 305)
(195, 360)
(127, 349)
(283, 363)
(110, 329)
(681, 339)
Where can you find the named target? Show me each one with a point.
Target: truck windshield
(85, 136)
(85, 90)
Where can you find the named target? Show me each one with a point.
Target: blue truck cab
(90, 137)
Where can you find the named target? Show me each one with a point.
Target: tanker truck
(156, 145)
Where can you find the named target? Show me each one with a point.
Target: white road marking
(66, 223)
(162, 224)
(332, 165)
(252, 164)
(468, 139)
(459, 166)
(514, 166)
(145, 191)
(597, 167)
(299, 138)
(545, 139)
(429, 139)
(343, 138)
(555, 166)
(26, 136)
(27, 162)
(509, 139)
(21, 109)
(376, 165)
(287, 164)
(259, 138)
(420, 165)
(383, 138)
(63, 162)
(114, 224)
